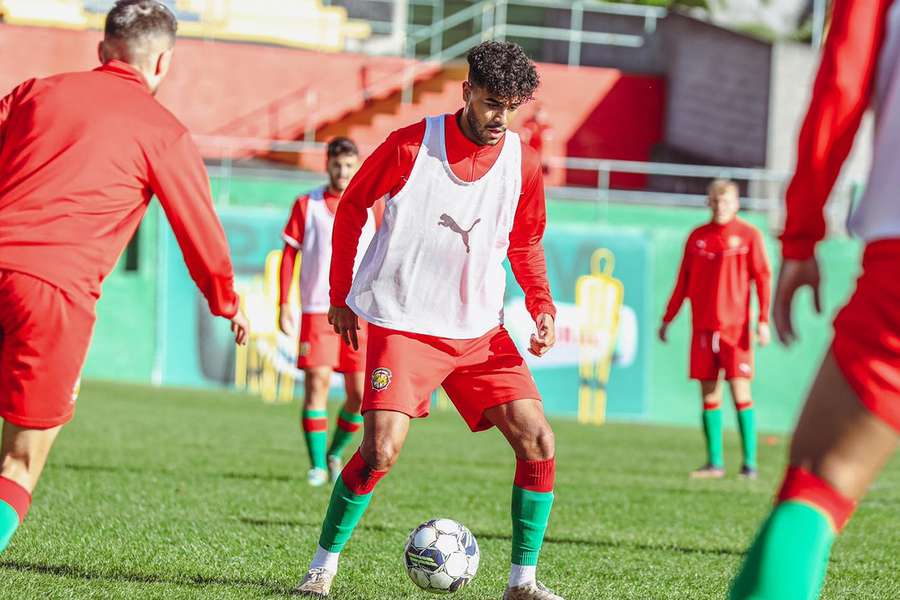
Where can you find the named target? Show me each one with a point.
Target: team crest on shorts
(381, 378)
(304, 349)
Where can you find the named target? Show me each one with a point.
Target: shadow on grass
(76, 572)
(596, 543)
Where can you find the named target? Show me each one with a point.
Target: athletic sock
(789, 557)
(325, 560)
(747, 425)
(349, 499)
(532, 499)
(315, 431)
(347, 424)
(14, 504)
(712, 429)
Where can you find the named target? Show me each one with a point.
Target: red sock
(359, 477)
(535, 475)
(802, 486)
(16, 496)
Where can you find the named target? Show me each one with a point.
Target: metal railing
(764, 188)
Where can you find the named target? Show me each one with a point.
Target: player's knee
(380, 453)
(537, 443)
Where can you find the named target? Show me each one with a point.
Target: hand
(794, 275)
(240, 327)
(763, 334)
(286, 320)
(663, 333)
(346, 324)
(545, 337)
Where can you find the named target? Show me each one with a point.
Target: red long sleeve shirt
(841, 95)
(719, 263)
(81, 154)
(386, 171)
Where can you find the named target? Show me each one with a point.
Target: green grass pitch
(171, 494)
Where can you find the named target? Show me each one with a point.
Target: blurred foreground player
(320, 351)
(81, 154)
(464, 194)
(849, 426)
(721, 261)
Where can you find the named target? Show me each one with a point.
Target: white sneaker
(317, 477)
(316, 583)
(335, 466)
(530, 591)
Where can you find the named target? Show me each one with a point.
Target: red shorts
(867, 333)
(730, 349)
(44, 338)
(320, 346)
(402, 369)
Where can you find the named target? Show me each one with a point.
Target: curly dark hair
(131, 20)
(503, 69)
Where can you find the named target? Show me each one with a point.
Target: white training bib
(315, 257)
(435, 266)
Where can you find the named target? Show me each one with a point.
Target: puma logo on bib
(448, 222)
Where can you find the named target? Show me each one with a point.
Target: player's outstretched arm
(178, 177)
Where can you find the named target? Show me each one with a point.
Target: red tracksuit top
(386, 171)
(719, 263)
(841, 94)
(81, 154)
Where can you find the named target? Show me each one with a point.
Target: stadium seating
(57, 13)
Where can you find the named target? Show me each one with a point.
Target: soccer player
(721, 260)
(309, 231)
(463, 194)
(850, 424)
(81, 154)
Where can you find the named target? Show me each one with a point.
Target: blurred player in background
(464, 194)
(721, 260)
(536, 130)
(81, 154)
(308, 231)
(849, 427)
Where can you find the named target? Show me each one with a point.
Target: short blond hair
(720, 186)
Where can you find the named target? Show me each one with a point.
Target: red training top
(841, 95)
(719, 263)
(81, 154)
(387, 170)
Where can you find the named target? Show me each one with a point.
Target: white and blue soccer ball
(441, 556)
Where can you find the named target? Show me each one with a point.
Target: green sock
(712, 429)
(347, 424)
(747, 425)
(789, 558)
(530, 513)
(9, 522)
(345, 509)
(315, 431)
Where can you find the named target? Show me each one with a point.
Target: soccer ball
(441, 556)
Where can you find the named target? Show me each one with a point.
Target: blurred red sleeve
(841, 94)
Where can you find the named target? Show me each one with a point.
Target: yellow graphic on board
(598, 297)
(265, 366)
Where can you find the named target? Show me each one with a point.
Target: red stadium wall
(247, 90)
